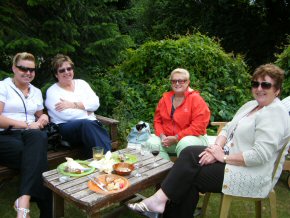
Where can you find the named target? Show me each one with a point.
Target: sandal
(143, 210)
(20, 209)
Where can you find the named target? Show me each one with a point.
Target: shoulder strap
(22, 102)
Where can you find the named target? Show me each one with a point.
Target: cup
(145, 149)
(98, 152)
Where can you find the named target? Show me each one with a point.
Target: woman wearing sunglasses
(241, 161)
(23, 146)
(71, 104)
(181, 117)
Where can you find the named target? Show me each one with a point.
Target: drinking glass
(137, 166)
(98, 152)
(155, 149)
(145, 149)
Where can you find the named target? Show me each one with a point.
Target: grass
(239, 209)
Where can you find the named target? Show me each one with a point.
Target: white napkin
(105, 164)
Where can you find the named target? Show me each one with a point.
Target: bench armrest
(113, 129)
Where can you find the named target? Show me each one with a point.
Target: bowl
(123, 169)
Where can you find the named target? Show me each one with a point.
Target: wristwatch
(225, 158)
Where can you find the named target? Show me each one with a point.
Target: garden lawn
(239, 209)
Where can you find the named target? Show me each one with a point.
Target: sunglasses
(179, 81)
(26, 69)
(264, 85)
(68, 69)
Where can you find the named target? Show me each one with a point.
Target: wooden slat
(76, 190)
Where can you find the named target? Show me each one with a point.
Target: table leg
(58, 206)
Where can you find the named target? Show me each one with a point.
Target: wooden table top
(76, 189)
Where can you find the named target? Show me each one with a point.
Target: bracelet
(225, 158)
(27, 124)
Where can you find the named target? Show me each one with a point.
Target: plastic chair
(227, 199)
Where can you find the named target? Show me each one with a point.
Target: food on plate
(123, 169)
(73, 166)
(113, 183)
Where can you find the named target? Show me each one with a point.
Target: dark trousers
(88, 133)
(26, 151)
(186, 179)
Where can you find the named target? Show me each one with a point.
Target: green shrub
(283, 61)
(139, 82)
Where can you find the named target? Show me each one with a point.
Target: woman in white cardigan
(240, 162)
(71, 104)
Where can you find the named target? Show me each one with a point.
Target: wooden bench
(57, 157)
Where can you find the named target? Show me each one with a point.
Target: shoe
(143, 210)
(197, 212)
(18, 209)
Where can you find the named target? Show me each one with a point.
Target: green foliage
(253, 28)
(283, 61)
(142, 78)
(86, 30)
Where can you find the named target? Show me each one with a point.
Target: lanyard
(26, 120)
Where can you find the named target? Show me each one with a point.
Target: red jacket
(190, 118)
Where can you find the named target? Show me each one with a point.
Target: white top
(14, 108)
(259, 137)
(286, 102)
(82, 93)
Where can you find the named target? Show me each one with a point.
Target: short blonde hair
(180, 71)
(22, 56)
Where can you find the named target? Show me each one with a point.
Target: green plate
(61, 169)
(130, 158)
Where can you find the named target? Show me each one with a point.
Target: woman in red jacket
(181, 117)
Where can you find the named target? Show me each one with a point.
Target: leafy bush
(138, 83)
(283, 61)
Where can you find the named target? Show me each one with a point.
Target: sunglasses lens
(65, 69)
(26, 69)
(255, 84)
(179, 81)
(266, 85)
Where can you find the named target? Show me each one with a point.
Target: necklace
(25, 91)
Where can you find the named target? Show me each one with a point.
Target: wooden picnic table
(77, 192)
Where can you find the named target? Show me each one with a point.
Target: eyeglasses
(26, 69)
(264, 85)
(179, 81)
(68, 69)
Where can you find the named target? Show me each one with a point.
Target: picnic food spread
(113, 183)
(110, 184)
(75, 168)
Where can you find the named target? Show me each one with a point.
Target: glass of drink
(98, 152)
(155, 149)
(137, 166)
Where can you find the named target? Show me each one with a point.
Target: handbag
(55, 141)
(139, 133)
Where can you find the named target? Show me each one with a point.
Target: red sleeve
(157, 119)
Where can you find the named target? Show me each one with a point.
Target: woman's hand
(217, 152)
(167, 141)
(42, 121)
(206, 158)
(64, 104)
